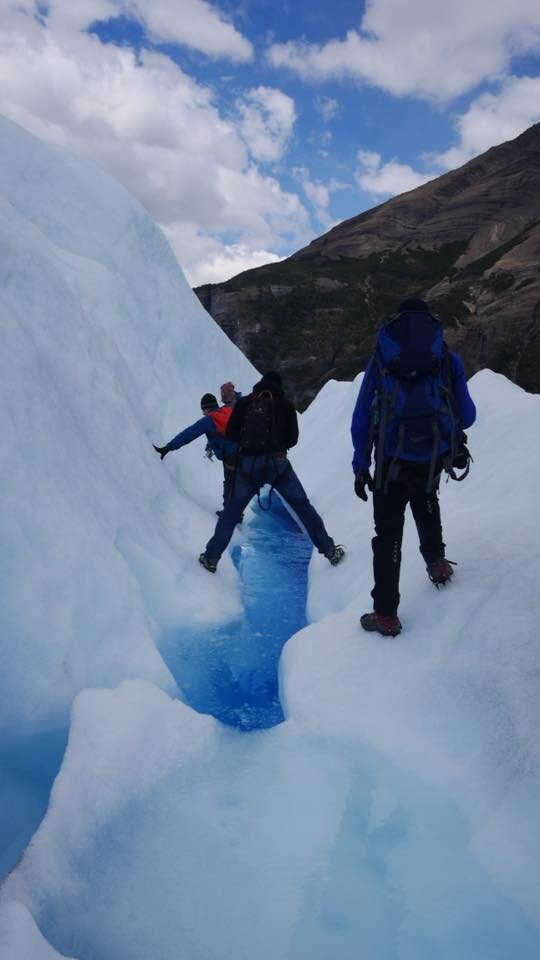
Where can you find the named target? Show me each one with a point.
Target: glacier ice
(393, 815)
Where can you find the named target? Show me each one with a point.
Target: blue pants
(252, 473)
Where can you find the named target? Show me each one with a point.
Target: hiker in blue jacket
(412, 409)
(213, 423)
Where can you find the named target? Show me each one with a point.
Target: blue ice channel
(231, 671)
(28, 767)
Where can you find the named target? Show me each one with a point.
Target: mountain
(468, 242)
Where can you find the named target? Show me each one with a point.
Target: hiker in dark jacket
(213, 423)
(265, 426)
(403, 477)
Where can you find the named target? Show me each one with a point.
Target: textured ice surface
(393, 815)
(19, 936)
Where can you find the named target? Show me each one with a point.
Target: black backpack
(257, 430)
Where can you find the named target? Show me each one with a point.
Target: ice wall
(393, 816)
(105, 349)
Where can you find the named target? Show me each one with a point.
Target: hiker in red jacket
(213, 423)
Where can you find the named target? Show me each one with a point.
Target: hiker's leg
(289, 487)
(389, 516)
(228, 480)
(244, 490)
(427, 516)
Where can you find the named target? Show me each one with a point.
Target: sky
(246, 127)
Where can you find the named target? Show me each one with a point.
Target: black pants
(409, 486)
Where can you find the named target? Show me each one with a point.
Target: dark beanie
(270, 381)
(412, 304)
(273, 377)
(208, 400)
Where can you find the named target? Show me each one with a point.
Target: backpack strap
(391, 473)
(448, 401)
(451, 406)
(434, 453)
(448, 388)
(387, 400)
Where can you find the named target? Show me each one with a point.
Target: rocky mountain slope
(468, 242)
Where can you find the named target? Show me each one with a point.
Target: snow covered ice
(394, 814)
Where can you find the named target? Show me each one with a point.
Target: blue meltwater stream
(231, 671)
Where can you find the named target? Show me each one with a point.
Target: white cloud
(327, 107)
(154, 128)
(494, 118)
(427, 48)
(193, 23)
(216, 262)
(388, 179)
(491, 119)
(319, 194)
(267, 118)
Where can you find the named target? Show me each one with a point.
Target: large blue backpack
(413, 416)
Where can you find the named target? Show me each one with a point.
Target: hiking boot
(336, 555)
(386, 626)
(440, 571)
(207, 563)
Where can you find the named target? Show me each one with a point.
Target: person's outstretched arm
(190, 433)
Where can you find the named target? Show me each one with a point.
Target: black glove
(361, 481)
(163, 451)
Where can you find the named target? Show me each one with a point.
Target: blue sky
(248, 128)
